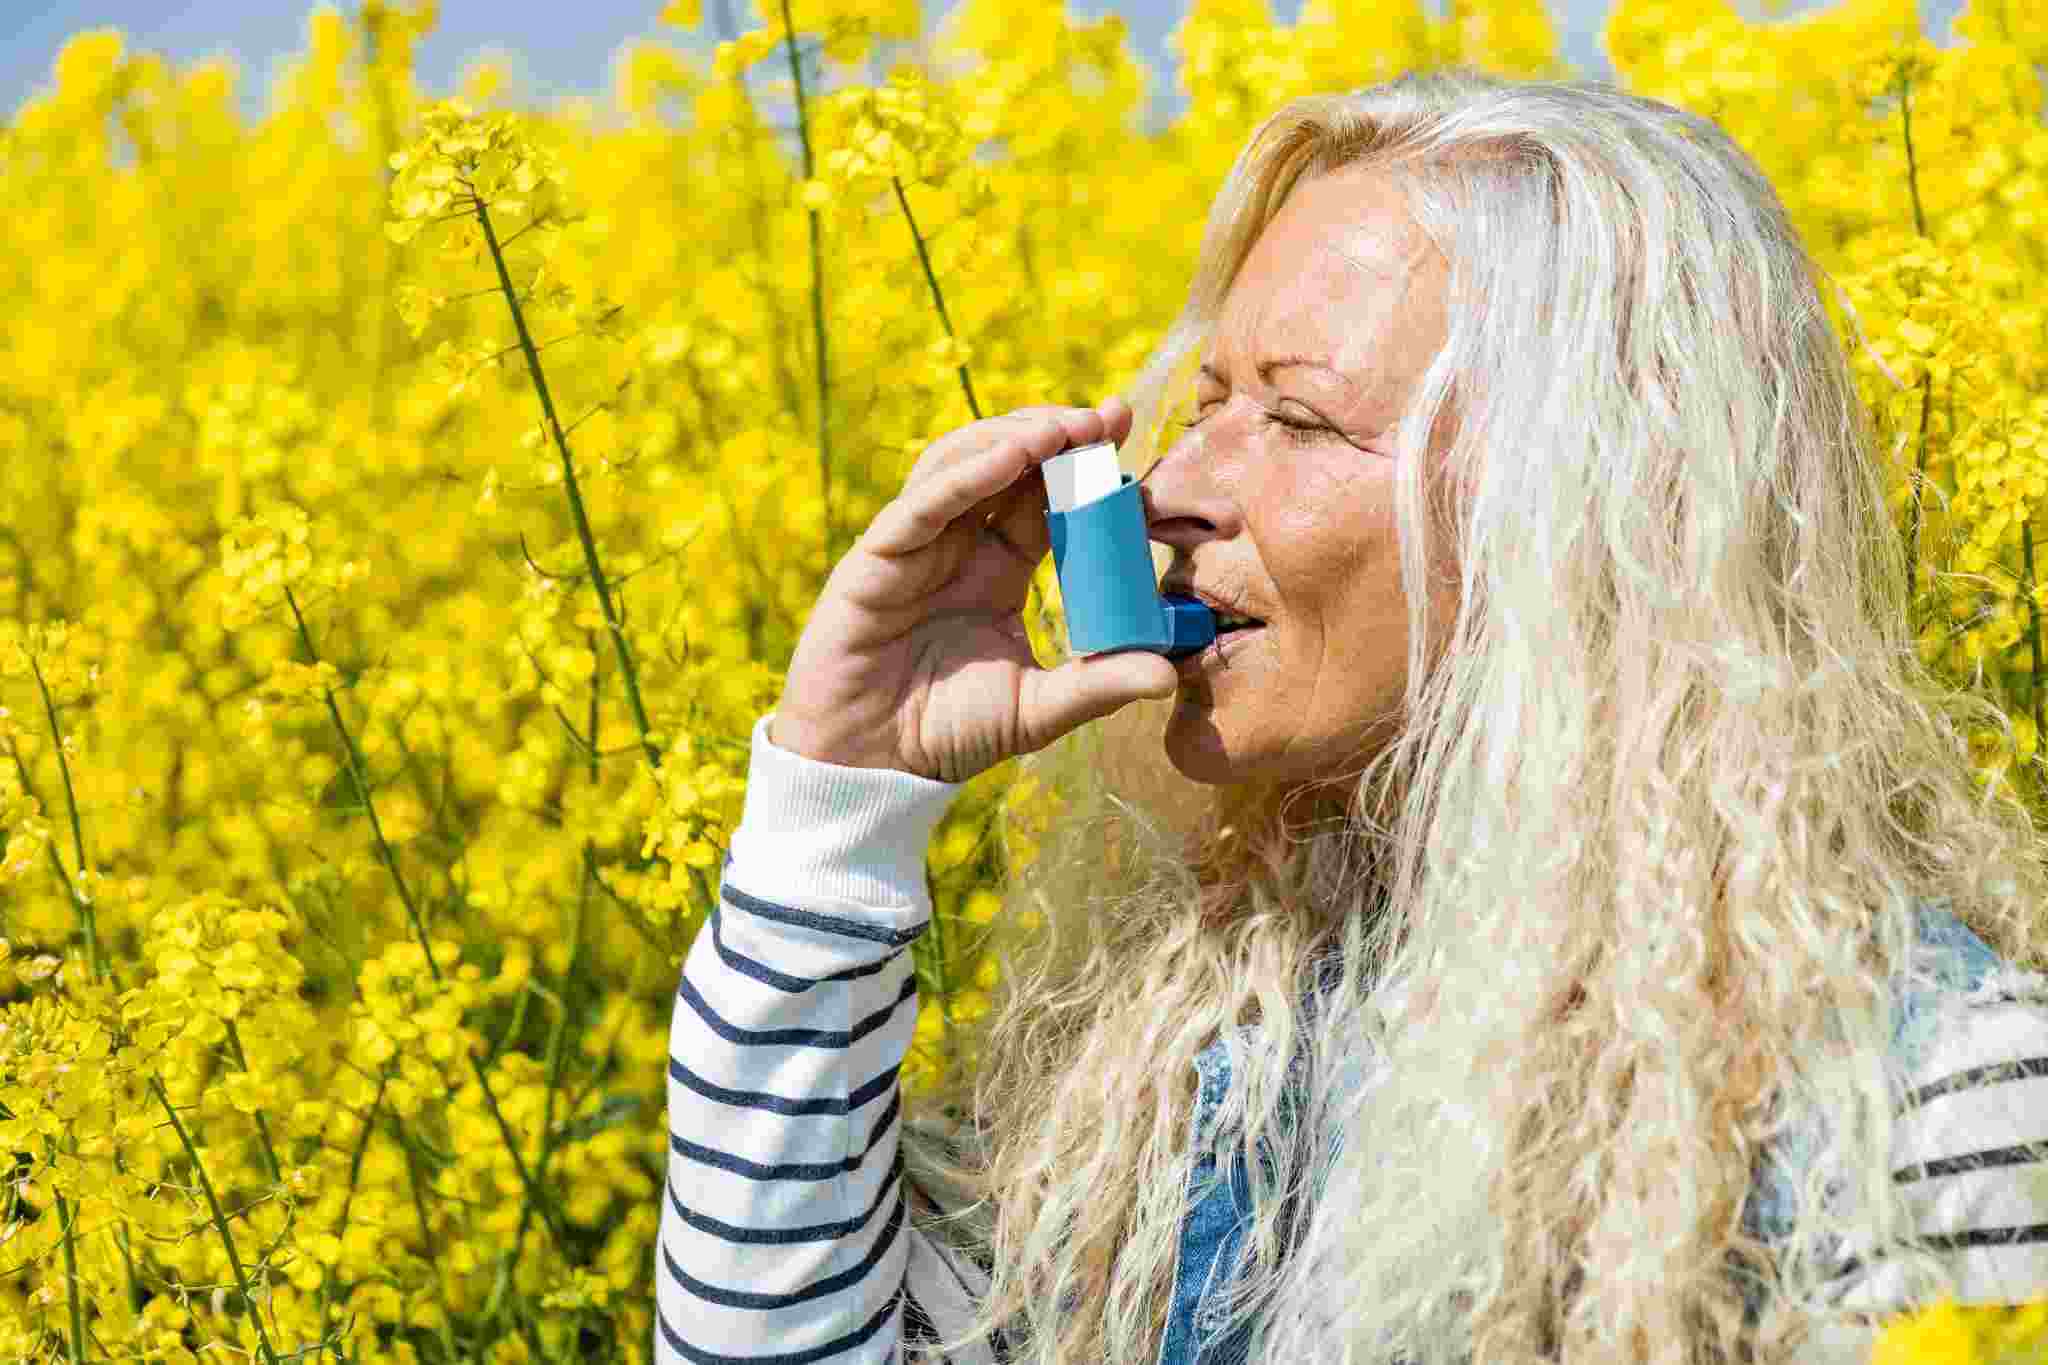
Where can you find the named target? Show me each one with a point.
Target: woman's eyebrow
(1271, 363)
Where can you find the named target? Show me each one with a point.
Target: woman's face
(1296, 526)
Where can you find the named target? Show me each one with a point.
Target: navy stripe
(815, 1232)
(856, 1337)
(817, 1289)
(2019, 1155)
(2022, 1235)
(835, 1106)
(826, 1170)
(781, 981)
(1979, 1075)
(919, 1332)
(2025, 997)
(811, 919)
(792, 1037)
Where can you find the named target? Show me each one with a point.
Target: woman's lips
(1217, 651)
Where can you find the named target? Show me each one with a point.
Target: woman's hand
(915, 656)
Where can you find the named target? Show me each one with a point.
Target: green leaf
(615, 1110)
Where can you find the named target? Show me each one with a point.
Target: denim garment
(1219, 1208)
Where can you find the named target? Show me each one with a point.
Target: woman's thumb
(1081, 690)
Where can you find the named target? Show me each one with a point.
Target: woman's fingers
(978, 471)
(1018, 515)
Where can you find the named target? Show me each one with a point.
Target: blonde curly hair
(1630, 894)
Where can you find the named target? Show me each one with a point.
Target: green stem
(134, 1299)
(262, 1128)
(745, 546)
(938, 299)
(70, 1262)
(101, 971)
(510, 1262)
(419, 1209)
(803, 128)
(2033, 636)
(549, 1214)
(511, 1036)
(357, 773)
(92, 937)
(1024, 258)
(355, 1171)
(1919, 484)
(939, 960)
(1912, 167)
(549, 1142)
(596, 570)
(938, 936)
(533, 1341)
(418, 770)
(219, 1222)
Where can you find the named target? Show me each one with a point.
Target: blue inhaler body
(1104, 563)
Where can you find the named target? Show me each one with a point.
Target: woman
(1538, 919)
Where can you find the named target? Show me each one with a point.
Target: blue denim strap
(1220, 1209)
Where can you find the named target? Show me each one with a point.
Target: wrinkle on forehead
(1344, 273)
(1379, 250)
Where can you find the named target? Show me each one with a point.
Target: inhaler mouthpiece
(1104, 562)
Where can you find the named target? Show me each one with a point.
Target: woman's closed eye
(1300, 433)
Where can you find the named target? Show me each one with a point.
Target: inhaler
(1104, 562)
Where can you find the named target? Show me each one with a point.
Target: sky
(558, 50)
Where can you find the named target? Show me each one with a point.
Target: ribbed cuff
(813, 834)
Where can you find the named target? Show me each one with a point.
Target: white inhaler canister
(1104, 562)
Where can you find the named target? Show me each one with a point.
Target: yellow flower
(949, 353)
(307, 429)
(734, 56)
(644, 72)
(1955, 1334)
(908, 129)
(290, 680)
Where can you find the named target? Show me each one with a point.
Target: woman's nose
(1182, 503)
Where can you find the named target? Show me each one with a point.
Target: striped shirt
(786, 1232)
(1971, 1141)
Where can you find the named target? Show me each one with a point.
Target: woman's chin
(1198, 750)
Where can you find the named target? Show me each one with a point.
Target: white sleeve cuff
(821, 836)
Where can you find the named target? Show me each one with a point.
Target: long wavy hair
(1628, 894)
